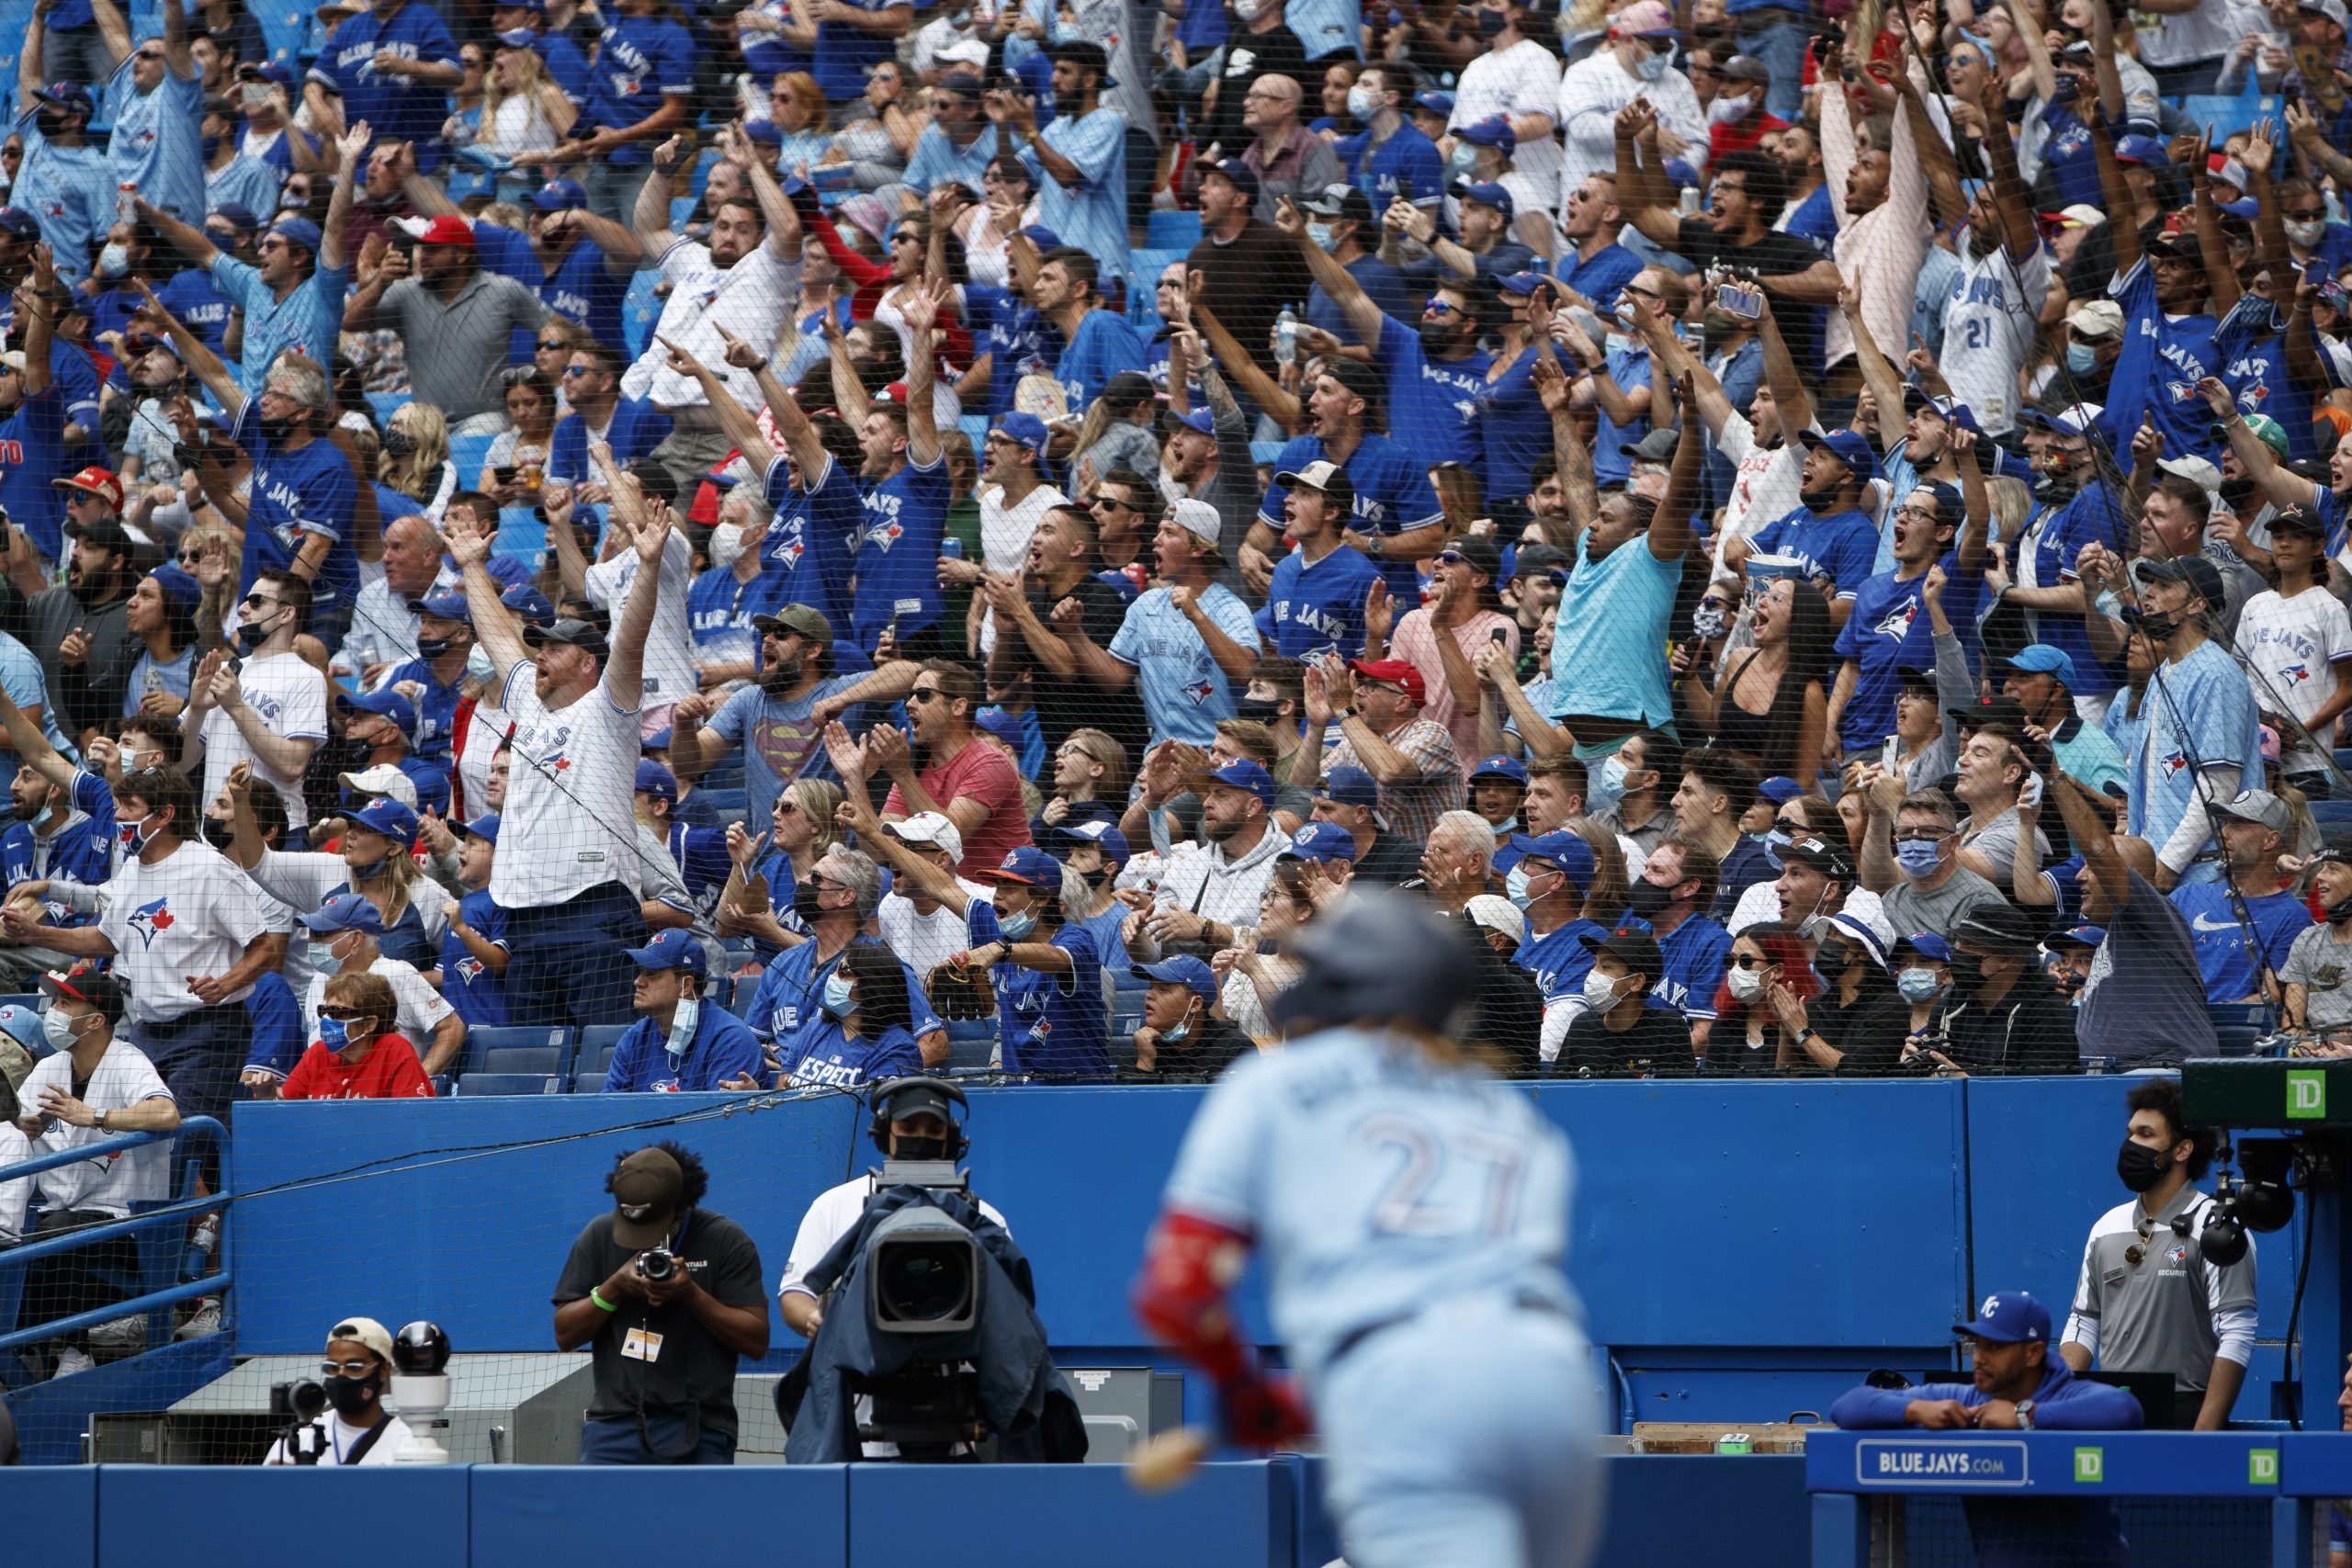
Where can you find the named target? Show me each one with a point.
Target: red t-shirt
(388, 1071)
(978, 772)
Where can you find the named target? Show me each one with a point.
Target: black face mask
(1967, 971)
(2236, 494)
(352, 1398)
(1492, 22)
(2138, 1167)
(2158, 629)
(398, 443)
(804, 902)
(1647, 900)
(1831, 957)
(2339, 911)
(276, 430)
(1816, 500)
(1259, 710)
(434, 646)
(217, 833)
(907, 1147)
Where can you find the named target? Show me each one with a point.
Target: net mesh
(1929, 1532)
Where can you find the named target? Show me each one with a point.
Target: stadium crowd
(818, 531)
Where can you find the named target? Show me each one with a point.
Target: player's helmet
(1381, 955)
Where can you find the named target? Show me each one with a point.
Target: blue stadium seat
(474, 1084)
(2331, 812)
(1143, 273)
(596, 1043)
(2228, 115)
(730, 804)
(1178, 230)
(588, 1083)
(970, 1041)
(974, 427)
(522, 1059)
(2238, 1025)
(387, 404)
(1266, 451)
(521, 535)
(502, 1038)
(467, 454)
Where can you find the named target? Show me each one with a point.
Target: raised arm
(735, 421)
(1789, 394)
(115, 33)
(2027, 28)
(199, 359)
(919, 308)
(2011, 197)
(1569, 450)
(1363, 318)
(850, 759)
(2084, 814)
(1886, 387)
(186, 238)
(350, 147)
(1261, 388)
(650, 218)
(784, 221)
(2124, 235)
(32, 747)
(30, 79)
(2282, 485)
(624, 674)
(40, 321)
(1669, 532)
(494, 626)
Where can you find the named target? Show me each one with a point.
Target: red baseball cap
(1395, 672)
(95, 480)
(447, 230)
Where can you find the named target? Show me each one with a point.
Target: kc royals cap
(2009, 1317)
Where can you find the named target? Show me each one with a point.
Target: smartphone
(2029, 794)
(1890, 754)
(1500, 637)
(1744, 301)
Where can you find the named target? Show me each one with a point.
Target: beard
(779, 678)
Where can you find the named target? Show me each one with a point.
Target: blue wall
(1743, 1249)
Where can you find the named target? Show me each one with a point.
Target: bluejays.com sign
(1916, 1465)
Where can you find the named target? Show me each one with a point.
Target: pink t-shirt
(978, 772)
(1415, 641)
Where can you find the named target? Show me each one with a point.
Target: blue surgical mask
(1650, 67)
(1516, 885)
(1776, 841)
(838, 1000)
(334, 1033)
(682, 1026)
(1180, 1029)
(1325, 239)
(372, 870)
(1918, 984)
(478, 664)
(323, 958)
(1918, 857)
(1016, 927)
(1361, 108)
(1464, 159)
(1607, 786)
(2081, 359)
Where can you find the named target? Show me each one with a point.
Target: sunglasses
(257, 602)
(1748, 961)
(343, 1015)
(922, 694)
(571, 370)
(1439, 308)
(2137, 1253)
(346, 1368)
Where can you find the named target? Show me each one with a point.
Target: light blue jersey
(155, 146)
(1379, 1184)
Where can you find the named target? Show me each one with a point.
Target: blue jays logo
(1200, 690)
(2298, 673)
(2174, 764)
(2181, 391)
(886, 536)
(149, 919)
(469, 970)
(1897, 624)
(2179, 1252)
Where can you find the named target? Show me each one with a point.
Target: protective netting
(2208, 1532)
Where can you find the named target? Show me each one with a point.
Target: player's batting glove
(1261, 1412)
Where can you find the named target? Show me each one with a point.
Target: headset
(886, 1092)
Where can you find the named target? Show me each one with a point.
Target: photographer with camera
(669, 1296)
(351, 1383)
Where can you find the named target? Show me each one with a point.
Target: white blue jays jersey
(1378, 1182)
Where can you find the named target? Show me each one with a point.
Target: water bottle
(1286, 338)
(126, 202)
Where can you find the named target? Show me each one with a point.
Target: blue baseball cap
(179, 586)
(1104, 836)
(236, 214)
(672, 949)
(346, 912)
(446, 603)
(2041, 659)
(1563, 848)
(22, 1024)
(1500, 766)
(1521, 283)
(1045, 239)
(766, 133)
(519, 37)
(388, 816)
(1197, 420)
(1184, 970)
(530, 603)
(1849, 447)
(1031, 866)
(1435, 103)
(1492, 132)
(484, 827)
(657, 742)
(1005, 727)
(508, 571)
(64, 95)
(1486, 193)
(652, 778)
(391, 702)
(2144, 149)
(1927, 944)
(1779, 789)
(297, 232)
(558, 196)
(2076, 936)
(18, 224)
(2009, 1317)
(1022, 430)
(1237, 773)
(1321, 841)
(1351, 786)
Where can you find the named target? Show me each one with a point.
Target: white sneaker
(71, 1360)
(119, 1333)
(205, 1321)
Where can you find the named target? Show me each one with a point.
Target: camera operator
(668, 1294)
(358, 1429)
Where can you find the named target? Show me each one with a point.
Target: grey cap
(2259, 806)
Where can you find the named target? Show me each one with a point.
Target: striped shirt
(1412, 805)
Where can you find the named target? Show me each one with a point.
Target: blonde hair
(1103, 750)
(431, 431)
(817, 799)
(400, 875)
(531, 72)
(1606, 898)
(803, 90)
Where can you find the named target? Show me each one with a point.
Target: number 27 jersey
(1377, 1183)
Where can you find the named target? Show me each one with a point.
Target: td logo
(2090, 1466)
(2306, 1095)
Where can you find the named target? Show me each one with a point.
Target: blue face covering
(334, 1034)
(1016, 927)
(1918, 857)
(838, 1000)
(1608, 785)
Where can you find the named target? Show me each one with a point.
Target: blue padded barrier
(531, 1514)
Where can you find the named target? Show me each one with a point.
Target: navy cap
(1486, 193)
(1321, 841)
(2009, 1317)
(672, 949)
(443, 602)
(527, 602)
(1851, 447)
(1500, 766)
(1104, 836)
(1927, 944)
(391, 702)
(652, 778)
(179, 586)
(1351, 786)
(1184, 970)
(1045, 239)
(559, 195)
(1523, 283)
(1566, 850)
(2142, 150)
(2201, 575)
(346, 912)
(1005, 727)
(1492, 132)
(766, 133)
(2076, 936)
(1021, 429)
(19, 224)
(1031, 866)
(1243, 177)
(1434, 103)
(64, 95)
(1779, 789)
(388, 816)
(1238, 773)
(484, 827)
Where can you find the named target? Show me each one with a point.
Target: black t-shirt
(1247, 280)
(1248, 56)
(1777, 255)
(1659, 1042)
(1393, 859)
(689, 1366)
(1212, 1046)
(1078, 702)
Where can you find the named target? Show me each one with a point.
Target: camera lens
(926, 1282)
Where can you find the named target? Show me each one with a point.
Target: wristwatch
(100, 1121)
(2025, 1414)
(1343, 715)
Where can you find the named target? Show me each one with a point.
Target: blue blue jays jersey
(1054, 1025)
(826, 1058)
(1695, 952)
(2164, 357)
(814, 538)
(1433, 403)
(295, 494)
(1393, 495)
(1559, 960)
(897, 557)
(2252, 347)
(1404, 166)
(1314, 609)
(466, 983)
(1839, 547)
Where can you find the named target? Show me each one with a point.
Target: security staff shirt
(2167, 1310)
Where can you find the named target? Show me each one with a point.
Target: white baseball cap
(1497, 915)
(2097, 318)
(931, 827)
(1199, 519)
(364, 1331)
(2196, 470)
(383, 779)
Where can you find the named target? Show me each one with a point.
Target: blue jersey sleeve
(1850, 559)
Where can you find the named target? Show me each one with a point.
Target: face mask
(906, 1146)
(1360, 105)
(804, 902)
(1728, 110)
(2306, 234)
(334, 1034)
(838, 1001)
(1647, 900)
(1650, 67)
(1247, 9)
(1258, 710)
(727, 544)
(1327, 239)
(323, 958)
(1516, 887)
(434, 646)
(274, 431)
(2081, 359)
(398, 442)
(1492, 22)
(682, 1026)
(1600, 991)
(1918, 858)
(254, 93)
(1180, 1029)
(1831, 957)
(1817, 499)
(1745, 985)
(372, 870)
(2138, 1167)
(2340, 910)
(1707, 623)
(478, 664)
(250, 638)
(133, 838)
(1967, 971)
(1464, 159)
(1609, 784)
(114, 260)
(1918, 984)
(351, 1397)
(2159, 628)
(219, 834)
(211, 148)
(1775, 842)
(1016, 927)
(57, 1027)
